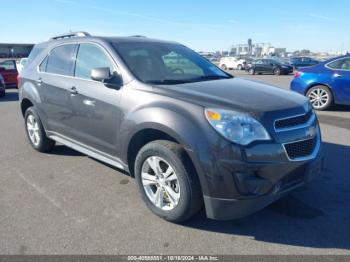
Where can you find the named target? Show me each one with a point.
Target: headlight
(237, 127)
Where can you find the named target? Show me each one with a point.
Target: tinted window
(8, 65)
(163, 63)
(342, 64)
(89, 57)
(60, 60)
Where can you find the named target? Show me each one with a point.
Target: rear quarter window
(34, 53)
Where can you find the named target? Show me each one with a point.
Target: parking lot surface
(67, 203)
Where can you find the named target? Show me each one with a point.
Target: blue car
(325, 84)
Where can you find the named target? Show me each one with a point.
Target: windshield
(163, 63)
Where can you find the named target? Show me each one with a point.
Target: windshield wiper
(210, 77)
(184, 81)
(167, 82)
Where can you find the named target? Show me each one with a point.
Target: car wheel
(239, 67)
(167, 181)
(277, 71)
(2, 93)
(251, 71)
(224, 67)
(36, 133)
(320, 97)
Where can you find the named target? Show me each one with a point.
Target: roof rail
(142, 36)
(69, 35)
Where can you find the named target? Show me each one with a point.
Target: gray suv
(190, 133)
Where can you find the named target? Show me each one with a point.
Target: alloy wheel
(319, 98)
(33, 130)
(160, 183)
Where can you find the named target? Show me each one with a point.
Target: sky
(203, 25)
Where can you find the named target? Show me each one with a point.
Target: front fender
(184, 126)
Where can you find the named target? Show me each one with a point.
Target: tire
(189, 197)
(39, 141)
(3, 93)
(224, 67)
(251, 71)
(277, 72)
(321, 97)
(239, 67)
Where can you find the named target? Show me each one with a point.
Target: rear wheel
(251, 71)
(167, 181)
(2, 93)
(239, 67)
(320, 97)
(223, 67)
(36, 133)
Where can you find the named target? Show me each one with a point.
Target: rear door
(95, 106)
(54, 83)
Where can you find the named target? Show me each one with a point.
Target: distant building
(257, 50)
(15, 51)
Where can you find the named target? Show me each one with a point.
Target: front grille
(293, 121)
(301, 148)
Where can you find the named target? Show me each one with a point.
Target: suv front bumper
(291, 176)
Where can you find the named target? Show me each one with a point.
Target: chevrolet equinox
(190, 133)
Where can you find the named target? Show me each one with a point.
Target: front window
(91, 56)
(162, 63)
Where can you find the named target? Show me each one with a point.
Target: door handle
(39, 82)
(338, 75)
(73, 90)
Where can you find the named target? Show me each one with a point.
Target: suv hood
(238, 94)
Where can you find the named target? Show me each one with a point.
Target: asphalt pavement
(67, 203)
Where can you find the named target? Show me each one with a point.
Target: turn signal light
(213, 115)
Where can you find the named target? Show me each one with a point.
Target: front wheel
(239, 67)
(167, 181)
(320, 97)
(277, 71)
(224, 67)
(251, 71)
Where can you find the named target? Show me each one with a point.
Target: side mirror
(104, 75)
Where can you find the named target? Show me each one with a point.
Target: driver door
(96, 107)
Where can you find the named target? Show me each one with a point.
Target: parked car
(229, 62)
(21, 64)
(269, 66)
(303, 61)
(189, 132)
(8, 70)
(2, 86)
(325, 84)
